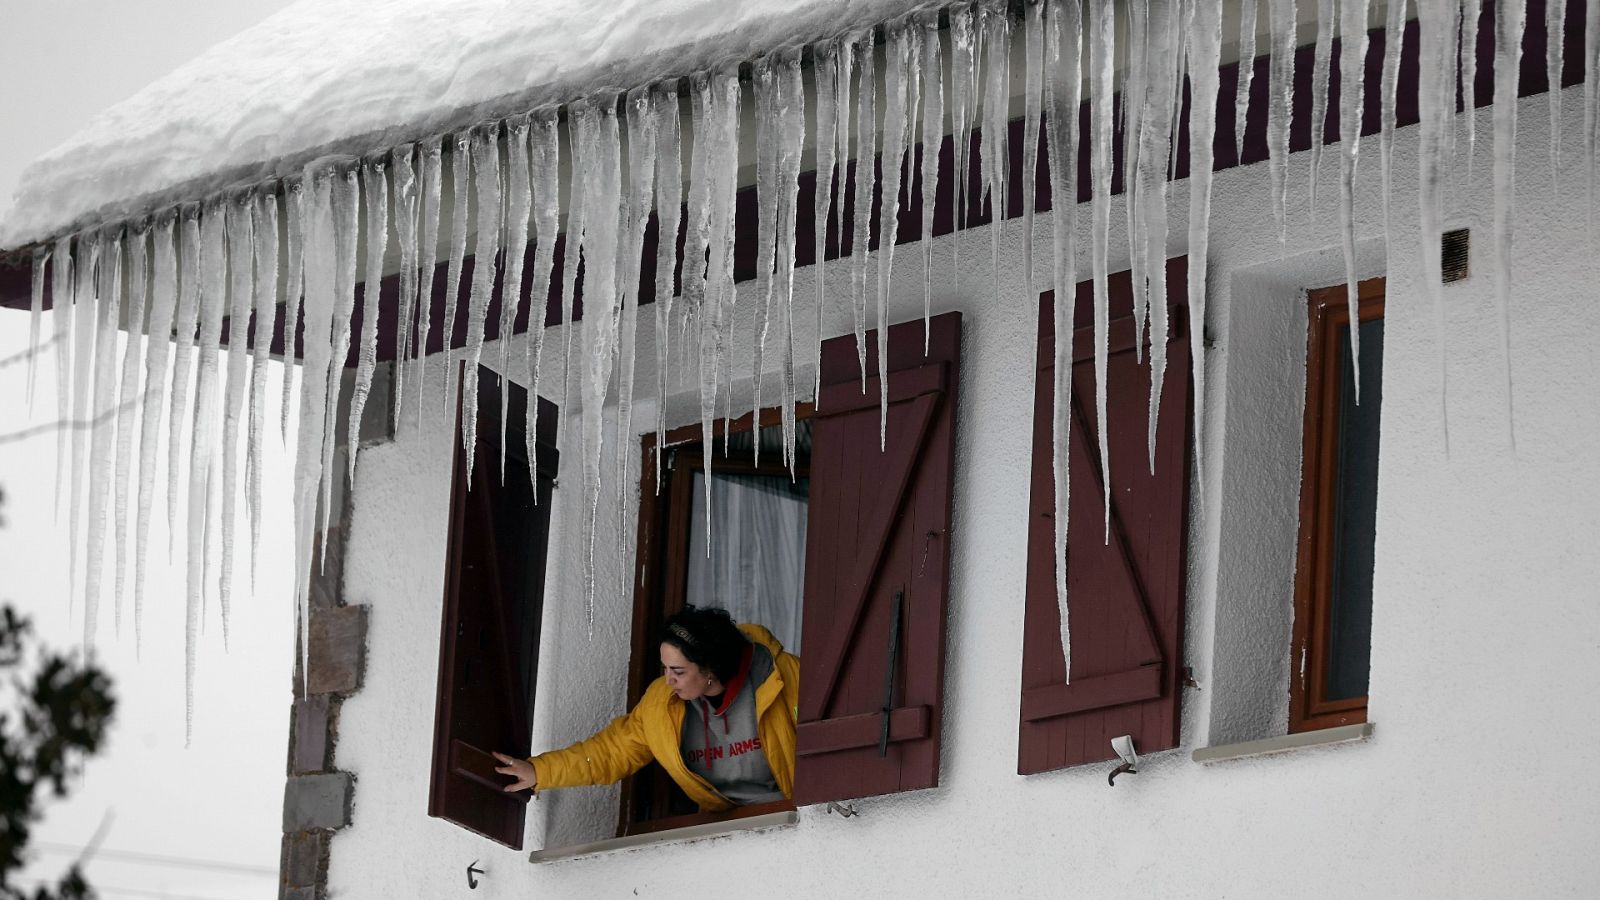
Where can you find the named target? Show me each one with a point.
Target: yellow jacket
(653, 729)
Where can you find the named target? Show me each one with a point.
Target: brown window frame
(659, 588)
(1329, 316)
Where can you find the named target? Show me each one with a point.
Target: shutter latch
(889, 671)
(472, 875)
(1122, 745)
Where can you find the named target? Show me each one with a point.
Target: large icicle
(212, 300)
(765, 83)
(996, 24)
(1135, 90)
(1247, 74)
(716, 118)
(460, 192)
(792, 135)
(1063, 87)
(1165, 29)
(1436, 93)
(865, 185)
(241, 249)
(61, 290)
(1510, 19)
(108, 310)
(187, 320)
(406, 203)
(83, 337)
(346, 228)
(1280, 108)
(1471, 16)
(163, 303)
(1205, 50)
(431, 156)
(1555, 19)
(544, 171)
(641, 124)
(825, 69)
(519, 202)
(1321, 65)
(896, 69)
(669, 212)
(964, 67)
(41, 258)
(1352, 68)
(265, 215)
(486, 167)
(375, 197)
(932, 138)
(598, 163)
(137, 249)
(1033, 92)
(1393, 40)
(293, 290)
(1102, 33)
(570, 256)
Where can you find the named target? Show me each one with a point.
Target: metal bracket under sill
(676, 835)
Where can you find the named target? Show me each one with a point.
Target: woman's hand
(520, 769)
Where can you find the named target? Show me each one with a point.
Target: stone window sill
(1343, 734)
(778, 819)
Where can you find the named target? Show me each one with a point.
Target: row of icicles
(199, 269)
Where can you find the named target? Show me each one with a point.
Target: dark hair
(707, 637)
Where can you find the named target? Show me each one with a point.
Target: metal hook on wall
(472, 875)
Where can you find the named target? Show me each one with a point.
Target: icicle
(865, 185)
(792, 133)
(346, 227)
(1205, 50)
(1247, 73)
(598, 164)
(294, 279)
(163, 300)
(61, 281)
(460, 190)
(108, 311)
(486, 166)
(1033, 87)
(844, 103)
(317, 225)
(1165, 29)
(212, 300)
(137, 249)
(1134, 94)
(825, 68)
(1436, 103)
(1280, 109)
(1320, 66)
(716, 118)
(669, 201)
(569, 272)
(641, 124)
(544, 167)
(375, 197)
(241, 247)
(188, 319)
(432, 158)
(83, 359)
(765, 83)
(1471, 15)
(1555, 18)
(1393, 40)
(932, 139)
(41, 258)
(996, 23)
(1591, 101)
(406, 203)
(963, 107)
(1102, 32)
(519, 202)
(265, 223)
(897, 68)
(1352, 67)
(1511, 18)
(1063, 87)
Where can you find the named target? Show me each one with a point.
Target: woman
(720, 720)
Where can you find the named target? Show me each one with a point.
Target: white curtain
(756, 569)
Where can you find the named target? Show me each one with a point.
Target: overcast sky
(203, 822)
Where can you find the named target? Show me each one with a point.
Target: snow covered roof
(351, 76)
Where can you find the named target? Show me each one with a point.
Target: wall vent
(1455, 255)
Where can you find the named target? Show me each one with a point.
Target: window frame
(1328, 315)
(662, 550)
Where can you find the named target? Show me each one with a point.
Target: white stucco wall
(1482, 779)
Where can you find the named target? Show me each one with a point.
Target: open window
(860, 537)
(1332, 637)
(1125, 589)
(493, 603)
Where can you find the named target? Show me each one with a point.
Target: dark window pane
(1350, 618)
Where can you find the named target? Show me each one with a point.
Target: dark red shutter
(878, 527)
(1125, 597)
(489, 640)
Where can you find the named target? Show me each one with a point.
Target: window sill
(776, 819)
(1342, 734)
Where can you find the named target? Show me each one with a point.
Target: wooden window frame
(659, 588)
(1329, 317)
